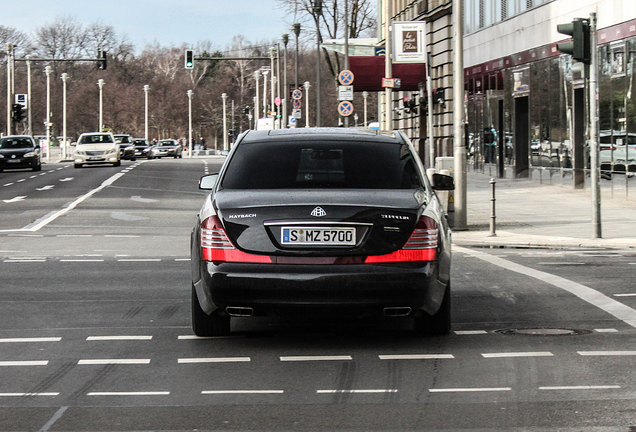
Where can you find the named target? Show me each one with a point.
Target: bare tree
(19, 40)
(63, 39)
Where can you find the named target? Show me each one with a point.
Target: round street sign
(345, 77)
(277, 101)
(345, 108)
(297, 94)
(297, 104)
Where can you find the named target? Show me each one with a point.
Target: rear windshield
(95, 139)
(350, 165)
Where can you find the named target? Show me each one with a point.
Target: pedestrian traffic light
(579, 47)
(102, 63)
(189, 59)
(17, 112)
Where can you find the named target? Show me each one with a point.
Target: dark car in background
(19, 151)
(321, 222)
(142, 147)
(126, 147)
(166, 148)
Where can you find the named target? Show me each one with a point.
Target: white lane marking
(607, 353)
(518, 354)
(74, 235)
(563, 263)
(182, 259)
(20, 181)
(148, 393)
(137, 198)
(8, 184)
(27, 340)
(81, 260)
(607, 330)
(195, 337)
(139, 260)
(625, 295)
(117, 338)
(16, 199)
(470, 332)
(44, 188)
(416, 356)
(35, 226)
(120, 236)
(360, 391)
(33, 176)
(470, 390)
(67, 179)
(599, 387)
(228, 392)
(24, 260)
(113, 361)
(28, 394)
(593, 297)
(214, 360)
(315, 358)
(25, 363)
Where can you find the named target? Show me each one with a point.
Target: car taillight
(421, 246)
(216, 246)
(607, 147)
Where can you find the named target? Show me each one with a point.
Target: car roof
(321, 134)
(17, 136)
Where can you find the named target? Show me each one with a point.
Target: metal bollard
(492, 208)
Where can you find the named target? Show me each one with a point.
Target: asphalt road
(95, 329)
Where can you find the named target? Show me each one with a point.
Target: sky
(168, 22)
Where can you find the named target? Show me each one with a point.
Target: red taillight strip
(421, 246)
(216, 247)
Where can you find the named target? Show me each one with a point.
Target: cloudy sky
(169, 22)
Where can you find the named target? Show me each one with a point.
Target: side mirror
(443, 182)
(208, 182)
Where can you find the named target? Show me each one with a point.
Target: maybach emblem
(318, 212)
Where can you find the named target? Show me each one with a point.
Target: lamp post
(285, 89)
(189, 93)
(30, 117)
(272, 54)
(317, 14)
(146, 88)
(64, 79)
(265, 72)
(100, 83)
(257, 75)
(47, 71)
(307, 85)
(296, 29)
(225, 147)
(365, 95)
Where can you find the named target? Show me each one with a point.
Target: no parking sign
(345, 108)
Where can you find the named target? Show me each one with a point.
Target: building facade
(525, 104)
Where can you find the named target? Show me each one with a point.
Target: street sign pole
(594, 147)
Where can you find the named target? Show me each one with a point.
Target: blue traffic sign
(345, 108)
(345, 77)
(297, 94)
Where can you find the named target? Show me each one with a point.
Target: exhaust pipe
(239, 311)
(397, 311)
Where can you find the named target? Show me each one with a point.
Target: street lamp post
(257, 75)
(64, 142)
(285, 88)
(307, 85)
(100, 83)
(47, 71)
(189, 93)
(296, 29)
(30, 117)
(272, 54)
(265, 72)
(365, 95)
(146, 88)
(225, 146)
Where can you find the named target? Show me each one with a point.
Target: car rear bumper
(353, 290)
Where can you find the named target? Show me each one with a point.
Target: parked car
(142, 147)
(19, 151)
(96, 148)
(126, 146)
(324, 221)
(617, 150)
(166, 147)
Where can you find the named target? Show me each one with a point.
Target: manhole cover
(543, 332)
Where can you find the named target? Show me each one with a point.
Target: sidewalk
(532, 214)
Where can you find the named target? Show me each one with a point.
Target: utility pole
(285, 88)
(318, 14)
(346, 47)
(459, 152)
(388, 68)
(594, 156)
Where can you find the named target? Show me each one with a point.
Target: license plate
(14, 161)
(318, 236)
(95, 158)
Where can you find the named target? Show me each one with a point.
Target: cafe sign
(409, 42)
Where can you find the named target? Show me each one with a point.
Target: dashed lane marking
(214, 360)
(517, 354)
(28, 340)
(315, 358)
(134, 393)
(25, 363)
(235, 392)
(113, 361)
(118, 338)
(470, 390)
(416, 356)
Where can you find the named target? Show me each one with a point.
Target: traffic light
(247, 110)
(579, 46)
(102, 63)
(189, 59)
(317, 7)
(17, 112)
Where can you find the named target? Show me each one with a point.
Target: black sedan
(142, 147)
(19, 151)
(166, 148)
(322, 222)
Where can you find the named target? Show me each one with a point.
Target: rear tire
(438, 324)
(207, 325)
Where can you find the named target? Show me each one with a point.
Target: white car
(96, 148)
